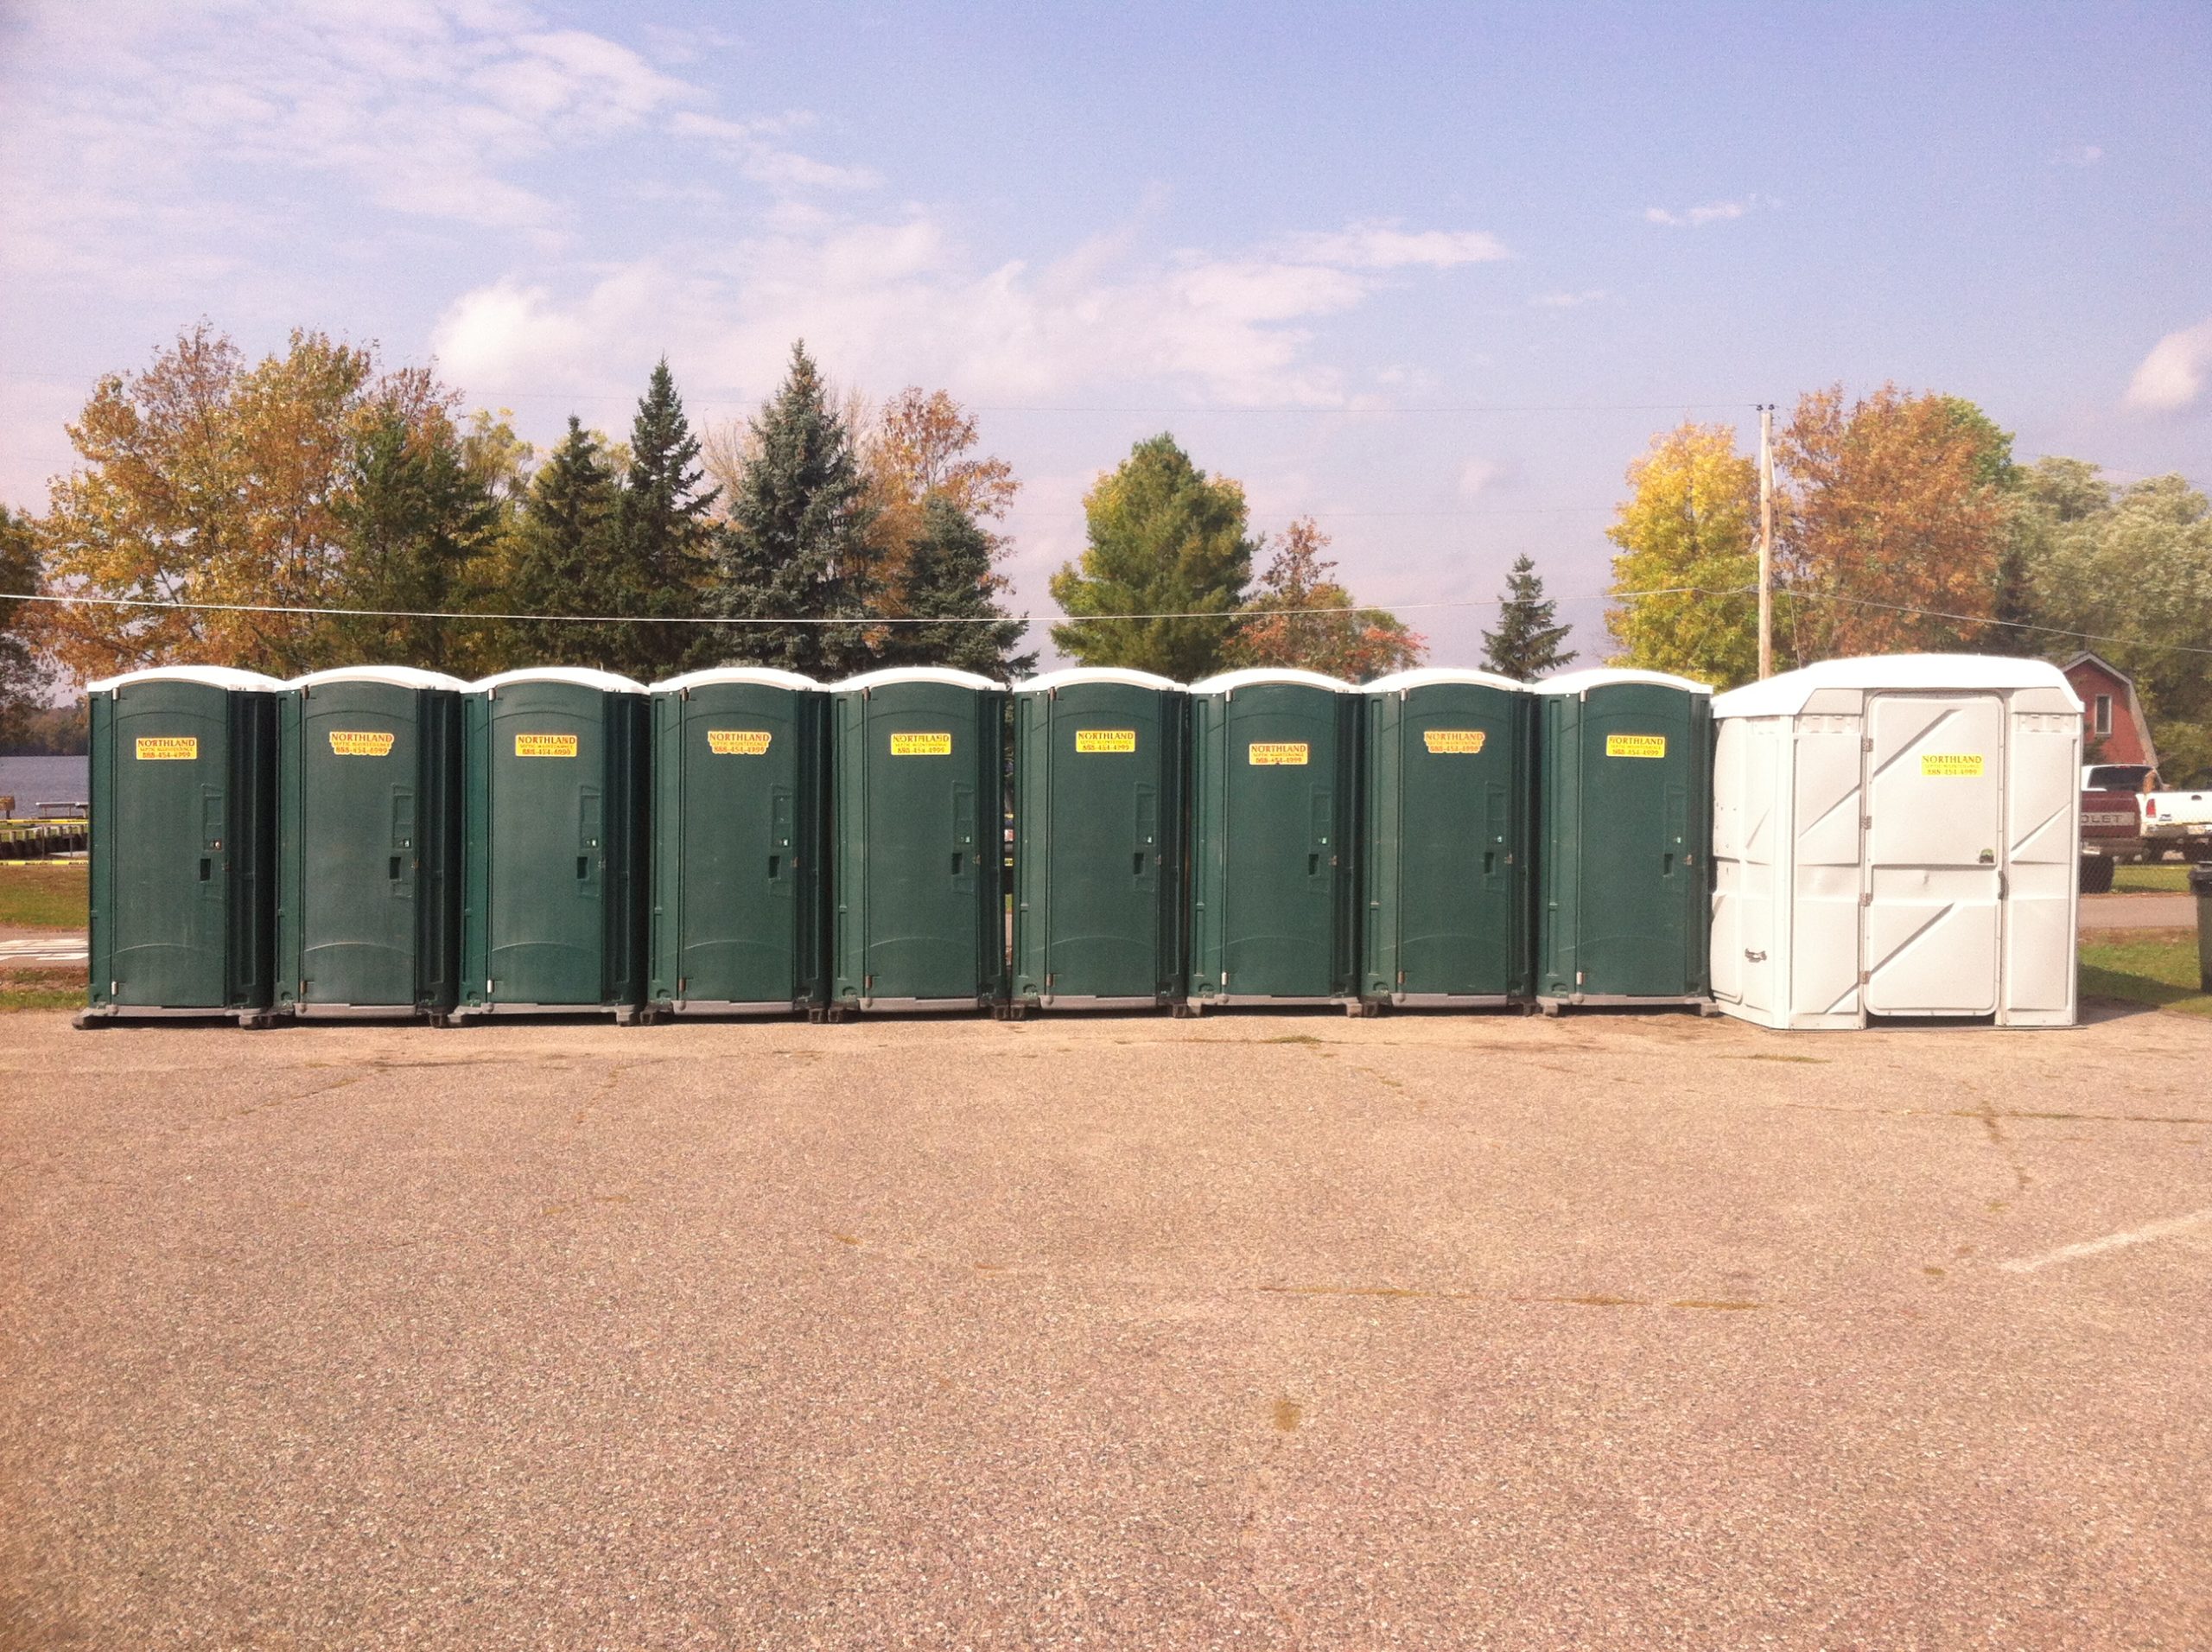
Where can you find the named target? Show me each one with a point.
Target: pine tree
(1526, 645)
(412, 519)
(949, 597)
(563, 556)
(1166, 540)
(662, 535)
(796, 545)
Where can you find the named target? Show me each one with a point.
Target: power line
(863, 620)
(873, 620)
(740, 398)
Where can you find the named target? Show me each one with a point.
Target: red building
(2113, 726)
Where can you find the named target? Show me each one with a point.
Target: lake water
(35, 780)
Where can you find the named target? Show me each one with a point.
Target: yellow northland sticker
(739, 742)
(1278, 753)
(545, 745)
(169, 748)
(1453, 742)
(1636, 746)
(921, 746)
(1105, 739)
(365, 744)
(1965, 765)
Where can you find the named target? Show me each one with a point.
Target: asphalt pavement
(1269, 1330)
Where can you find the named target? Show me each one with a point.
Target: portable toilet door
(1444, 852)
(553, 844)
(1623, 800)
(1098, 758)
(1274, 775)
(918, 759)
(1896, 837)
(740, 780)
(368, 843)
(182, 792)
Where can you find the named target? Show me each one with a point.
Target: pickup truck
(2112, 831)
(2179, 820)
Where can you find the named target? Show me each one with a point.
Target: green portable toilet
(1624, 808)
(918, 759)
(368, 843)
(740, 785)
(553, 836)
(1444, 851)
(1098, 757)
(184, 792)
(1274, 777)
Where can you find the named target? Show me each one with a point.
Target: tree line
(313, 509)
(1904, 524)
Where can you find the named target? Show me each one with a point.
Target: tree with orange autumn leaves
(1898, 524)
(1896, 530)
(1300, 616)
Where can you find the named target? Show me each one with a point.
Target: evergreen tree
(949, 596)
(1165, 539)
(412, 517)
(796, 545)
(662, 535)
(1526, 645)
(563, 556)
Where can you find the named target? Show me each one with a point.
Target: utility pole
(1766, 540)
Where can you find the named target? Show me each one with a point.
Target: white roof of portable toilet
(1605, 676)
(1422, 677)
(214, 677)
(400, 676)
(761, 676)
(944, 674)
(581, 676)
(1785, 696)
(1251, 675)
(1077, 674)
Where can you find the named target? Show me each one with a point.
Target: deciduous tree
(1898, 522)
(1168, 545)
(201, 479)
(2130, 576)
(21, 677)
(1303, 618)
(1689, 526)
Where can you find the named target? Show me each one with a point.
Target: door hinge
(1866, 898)
(1865, 979)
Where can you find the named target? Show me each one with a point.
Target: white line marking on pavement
(2172, 1225)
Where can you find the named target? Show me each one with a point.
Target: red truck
(2112, 826)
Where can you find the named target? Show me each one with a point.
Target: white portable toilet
(1896, 837)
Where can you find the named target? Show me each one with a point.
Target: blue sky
(1433, 274)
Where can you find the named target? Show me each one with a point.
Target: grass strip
(2155, 967)
(43, 897)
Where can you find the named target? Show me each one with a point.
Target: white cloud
(903, 298)
(1716, 211)
(125, 115)
(1383, 246)
(1478, 476)
(2176, 372)
(2088, 155)
(1569, 301)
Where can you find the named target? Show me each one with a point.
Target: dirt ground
(1260, 1331)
